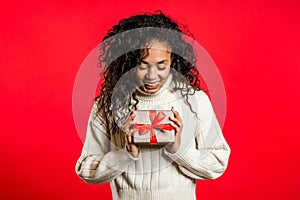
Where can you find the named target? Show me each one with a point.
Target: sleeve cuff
(132, 157)
(179, 156)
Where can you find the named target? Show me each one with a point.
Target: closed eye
(161, 67)
(142, 67)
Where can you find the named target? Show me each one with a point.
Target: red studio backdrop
(255, 45)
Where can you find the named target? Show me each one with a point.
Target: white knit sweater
(155, 173)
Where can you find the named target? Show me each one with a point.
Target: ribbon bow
(155, 120)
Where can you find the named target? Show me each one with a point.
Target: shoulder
(202, 97)
(95, 119)
(201, 103)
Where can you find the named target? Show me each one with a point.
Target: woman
(158, 73)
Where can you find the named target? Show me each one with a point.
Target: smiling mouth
(151, 86)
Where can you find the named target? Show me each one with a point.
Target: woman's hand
(172, 148)
(130, 146)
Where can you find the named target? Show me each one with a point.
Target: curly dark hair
(136, 33)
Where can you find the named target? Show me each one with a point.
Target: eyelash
(142, 67)
(158, 67)
(161, 68)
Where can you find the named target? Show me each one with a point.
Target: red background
(255, 44)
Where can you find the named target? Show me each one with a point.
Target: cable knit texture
(156, 173)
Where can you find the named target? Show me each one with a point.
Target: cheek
(140, 75)
(165, 74)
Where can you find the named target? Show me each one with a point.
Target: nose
(152, 73)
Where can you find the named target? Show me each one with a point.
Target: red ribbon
(155, 120)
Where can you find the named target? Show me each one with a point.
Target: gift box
(153, 127)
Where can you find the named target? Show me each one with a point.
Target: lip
(148, 81)
(151, 85)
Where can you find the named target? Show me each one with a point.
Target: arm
(207, 156)
(98, 163)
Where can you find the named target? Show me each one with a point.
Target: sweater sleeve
(98, 163)
(206, 157)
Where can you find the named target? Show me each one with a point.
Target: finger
(132, 123)
(127, 145)
(128, 122)
(176, 121)
(129, 138)
(134, 148)
(177, 128)
(132, 127)
(132, 131)
(131, 110)
(129, 119)
(127, 132)
(125, 127)
(132, 115)
(176, 114)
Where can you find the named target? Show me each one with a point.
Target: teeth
(151, 84)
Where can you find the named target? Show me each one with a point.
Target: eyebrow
(159, 62)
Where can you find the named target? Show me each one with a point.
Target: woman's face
(154, 69)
